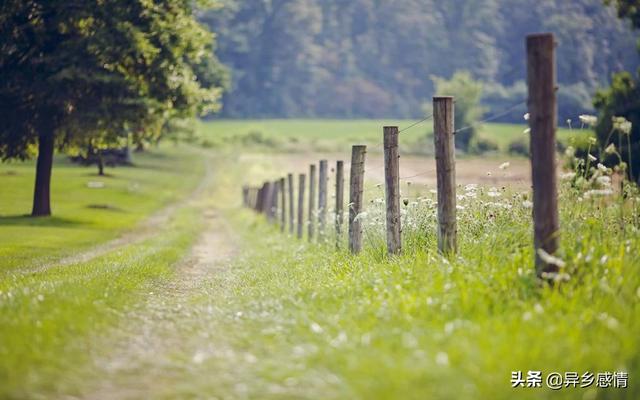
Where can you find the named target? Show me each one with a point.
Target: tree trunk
(139, 147)
(100, 163)
(42, 192)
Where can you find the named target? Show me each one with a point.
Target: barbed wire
(428, 117)
(492, 118)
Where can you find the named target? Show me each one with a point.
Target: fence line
(542, 103)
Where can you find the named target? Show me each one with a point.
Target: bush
(482, 145)
(622, 99)
(467, 93)
(519, 147)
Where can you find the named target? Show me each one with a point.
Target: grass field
(335, 135)
(86, 216)
(278, 318)
(50, 311)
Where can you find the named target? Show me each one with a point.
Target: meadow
(148, 314)
(336, 135)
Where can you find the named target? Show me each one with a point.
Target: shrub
(519, 147)
(482, 145)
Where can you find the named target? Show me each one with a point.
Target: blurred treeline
(373, 58)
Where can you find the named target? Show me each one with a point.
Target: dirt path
(145, 230)
(149, 343)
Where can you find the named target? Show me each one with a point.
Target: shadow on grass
(28, 220)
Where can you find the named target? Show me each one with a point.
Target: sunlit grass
(85, 216)
(336, 135)
(305, 321)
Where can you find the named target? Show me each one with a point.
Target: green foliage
(467, 93)
(87, 215)
(519, 147)
(622, 99)
(85, 71)
(368, 58)
(480, 145)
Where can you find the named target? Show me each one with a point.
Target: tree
(81, 71)
(370, 58)
(621, 100)
(467, 93)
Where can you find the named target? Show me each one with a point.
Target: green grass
(331, 135)
(84, 216)
(291, 320)
(50, 317)
(305, 321)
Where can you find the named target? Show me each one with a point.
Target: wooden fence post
(541, 80)
(322, 198)
(301, 183)
(312, 201)
(356, 189)
(283, 208)
(392, 189)
(273, 203)
(291, 205)
(245, 196)
(446, 173)
(339, 201)
(260, 202)
(268, 205)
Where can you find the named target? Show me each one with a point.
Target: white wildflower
(442, 359)
(361, 216)
(596, 193)
(315, 328)
(611, 149)
(602, 168)
(527, 316)
(622, 125)
(527, 204)
(505, 165)
(592, 158)
(568, 176)
(570, 151)
(493, 192)
(538, 309)
(549, 259)
(527, 116)
(604, 181)
(590, 120)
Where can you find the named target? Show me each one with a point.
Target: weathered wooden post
(268, 205)
(339, 201)
(356, 189)
(392, 189)
(283, 206)
(273, 206)
(541, 80)
(322, 199)
(261, 199)
(291, 205)
(446, 174)
(301, 184)
(312, 201)
(245, 196)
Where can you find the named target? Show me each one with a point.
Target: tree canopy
(370, 58)
(73, 72)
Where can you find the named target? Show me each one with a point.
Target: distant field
(334, 135)
(87, 209)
